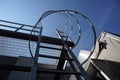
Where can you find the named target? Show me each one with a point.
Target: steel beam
(54, 57)
(44, 39)
(50, 48)
(28, 69)
(15, 67)
(57, 72)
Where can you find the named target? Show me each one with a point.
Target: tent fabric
(112, 51)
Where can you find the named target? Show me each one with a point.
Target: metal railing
(16, 27)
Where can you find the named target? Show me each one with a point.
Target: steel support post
(34, 67)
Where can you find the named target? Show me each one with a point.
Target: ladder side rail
(33, 73)
(71, 54)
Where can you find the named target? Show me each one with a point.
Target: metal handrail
(22, 26)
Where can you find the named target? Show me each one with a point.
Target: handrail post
(34, 67)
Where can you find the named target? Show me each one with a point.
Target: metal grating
(17, 47)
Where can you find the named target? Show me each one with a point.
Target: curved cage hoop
(69, 29)
(70, 13)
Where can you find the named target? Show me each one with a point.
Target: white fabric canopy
(112, 51)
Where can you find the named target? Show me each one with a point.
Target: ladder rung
(60, 32)
(57, 71)
(28, 69)
(53, 57)
(50, 48)
(65, 36)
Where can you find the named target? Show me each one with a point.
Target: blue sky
(105, 14)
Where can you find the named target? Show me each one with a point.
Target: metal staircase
(34, 69)
(66, 55)
(34, 34)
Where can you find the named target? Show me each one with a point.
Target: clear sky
(105, 14)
